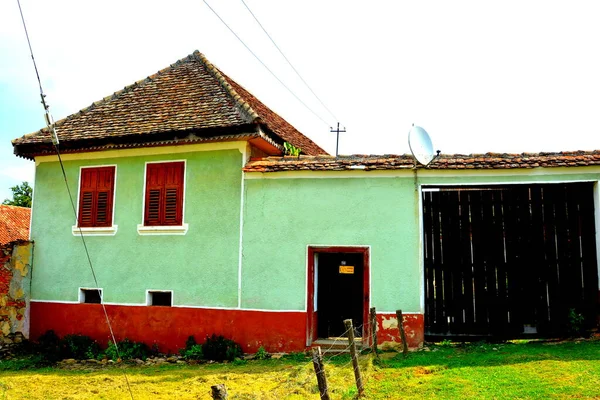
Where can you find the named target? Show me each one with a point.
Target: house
(196, 224)
(15, 270)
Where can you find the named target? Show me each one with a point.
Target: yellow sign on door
(346, 269)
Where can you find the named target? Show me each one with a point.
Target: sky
(503, 76)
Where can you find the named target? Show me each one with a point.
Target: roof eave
(153, 139)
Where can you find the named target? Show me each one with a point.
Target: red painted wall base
(169, 327)
(389, 335)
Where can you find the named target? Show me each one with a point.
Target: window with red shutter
(96, 192)
(164, 194)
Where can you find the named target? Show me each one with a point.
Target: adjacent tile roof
(189, 99)
(14, 223)
(445, 161)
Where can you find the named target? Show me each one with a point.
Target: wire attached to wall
(52, 129)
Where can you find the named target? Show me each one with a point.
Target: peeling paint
(15, 268)
(389, 322)
(388, 335)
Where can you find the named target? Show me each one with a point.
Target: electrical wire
(265, 65)
(288, 61)
(32, 58)
(52, 129)
(87, 253)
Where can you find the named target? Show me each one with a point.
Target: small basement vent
(90, 296)
(159, 298)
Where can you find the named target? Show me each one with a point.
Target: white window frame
(82, 294)
(182, 229)
(76, 230)
(149, 297)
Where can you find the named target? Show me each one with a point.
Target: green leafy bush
(193, 353)
(48, 346)
(128, 350)
(191, 341)
(575, 324)
(218, 348)
(192, 350)
(79, 347)
(262, 354)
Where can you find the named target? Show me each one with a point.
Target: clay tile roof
(445, 161)
(14, 223)
(189, 97)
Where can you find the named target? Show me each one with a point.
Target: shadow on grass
(491, 355)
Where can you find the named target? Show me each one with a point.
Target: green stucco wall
(201, 267)
(283, 216)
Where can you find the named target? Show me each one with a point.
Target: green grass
(485, 371)
(535, 370)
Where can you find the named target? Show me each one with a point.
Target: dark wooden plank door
(507, 260)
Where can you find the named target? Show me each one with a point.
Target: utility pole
(337, 142)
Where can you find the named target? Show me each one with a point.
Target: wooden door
(509, 260)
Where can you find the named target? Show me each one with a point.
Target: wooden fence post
(373, 315)
(401, 329)
(320, 372)
(219, 392)
(357, 377)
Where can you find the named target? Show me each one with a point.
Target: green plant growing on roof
(291, 150)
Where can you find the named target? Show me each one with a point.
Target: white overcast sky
(479, 76)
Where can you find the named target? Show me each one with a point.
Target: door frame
(311, 327)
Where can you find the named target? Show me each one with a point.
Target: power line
(264, 65)
(288, 61)
(52, 130)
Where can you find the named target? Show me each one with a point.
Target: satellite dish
(420, 145)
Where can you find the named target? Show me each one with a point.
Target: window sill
(99, 231)
(162, 230)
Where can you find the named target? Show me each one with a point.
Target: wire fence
(337, 367)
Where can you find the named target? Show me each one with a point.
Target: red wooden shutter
(96, 197)
(164, 194)
(86, 197)
(104, 196)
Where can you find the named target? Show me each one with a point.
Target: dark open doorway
(338, 289)
(339, 292)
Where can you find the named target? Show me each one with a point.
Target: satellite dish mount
(421, 146)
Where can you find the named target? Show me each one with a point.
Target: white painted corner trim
(104, 231)
(143, 230)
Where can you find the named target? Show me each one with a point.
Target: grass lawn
(486, 371)
(534, 370)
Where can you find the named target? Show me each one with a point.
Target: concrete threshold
(336, 345)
